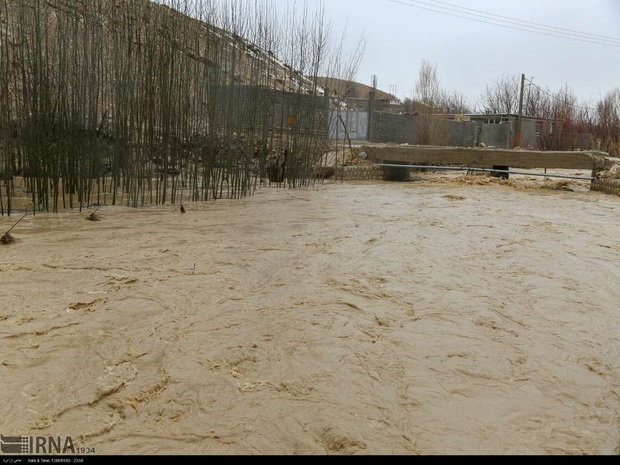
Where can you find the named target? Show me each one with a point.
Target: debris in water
(7, 239)
(93, 216)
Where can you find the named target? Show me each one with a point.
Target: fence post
(371, 114)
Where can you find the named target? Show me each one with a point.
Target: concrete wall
(462, 133)
(503, 135)
(398, 129)
(496, 135)
(275, 108)
(402, 129)
(528, 134)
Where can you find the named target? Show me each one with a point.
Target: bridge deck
(486, 157)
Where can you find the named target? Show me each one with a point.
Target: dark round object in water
(7, 239)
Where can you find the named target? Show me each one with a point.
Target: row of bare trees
(565, 121)
(132, 102)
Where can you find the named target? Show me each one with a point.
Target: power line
(550, 95)
(474, 17)
(531, 27)
(539, 25)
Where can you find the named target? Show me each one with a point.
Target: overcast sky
(470, 53)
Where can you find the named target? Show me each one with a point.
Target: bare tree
(454, 102)
(408, 105)
(537, 102)
(427, 89)
(501, 97)
(608, 127)
(431, 129)
(564, 122)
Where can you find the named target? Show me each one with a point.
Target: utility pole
(520, 116)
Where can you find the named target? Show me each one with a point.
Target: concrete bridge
(500, 159)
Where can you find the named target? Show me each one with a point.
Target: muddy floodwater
(425, 317)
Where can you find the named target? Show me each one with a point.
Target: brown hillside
(240, 60)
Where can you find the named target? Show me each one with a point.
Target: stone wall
(359, 173)
(607, 186)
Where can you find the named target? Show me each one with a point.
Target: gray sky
(469, 54)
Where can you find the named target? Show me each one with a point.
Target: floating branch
(93, 216)
(7, 238)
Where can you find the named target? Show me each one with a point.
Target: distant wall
(503, 135)
(276, 108)
(462, 133)
(398, 129)
(496, 135)
(402, 129)
(528, 134)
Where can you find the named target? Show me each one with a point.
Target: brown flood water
(371, 318)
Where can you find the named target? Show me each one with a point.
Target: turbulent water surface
(372, 318)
